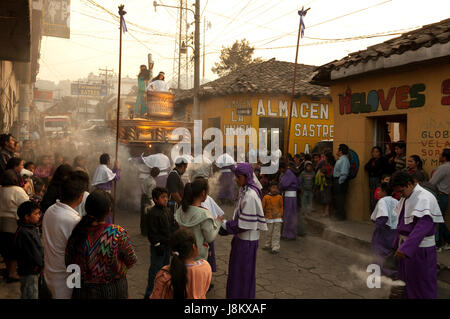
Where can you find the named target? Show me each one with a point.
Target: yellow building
(396, 90)
(259, 96)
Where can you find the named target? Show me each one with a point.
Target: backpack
(354, 164)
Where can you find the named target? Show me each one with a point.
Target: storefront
(259, 96)
(396, 90)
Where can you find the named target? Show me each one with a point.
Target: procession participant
(186, 277)
(247, 221)
(158, 84)
(160, 225)
(104, 176)
(57, 225)
(227, 192)
(103, 252)
(174, 183)
(415, 245)
(385, 224)
(289, 186)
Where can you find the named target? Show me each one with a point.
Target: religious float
(147, 121)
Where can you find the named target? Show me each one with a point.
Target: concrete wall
(428, 126)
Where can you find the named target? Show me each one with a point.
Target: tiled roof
(426, 36)
(269, 77)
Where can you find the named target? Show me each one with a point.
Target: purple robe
(241, 283)
(289, 182)
(161, 180)
(382, 240)
(212, 257)
(227, 190)
(419, 269)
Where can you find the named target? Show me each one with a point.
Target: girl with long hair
(197, 218)
(415, 164)
(185, 277)
(102, 250)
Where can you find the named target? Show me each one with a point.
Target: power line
(323, 22)
(240, 12)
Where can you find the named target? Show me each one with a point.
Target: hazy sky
(270, 26)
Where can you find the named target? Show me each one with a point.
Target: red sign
(43, 95)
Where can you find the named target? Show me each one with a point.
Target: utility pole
(106, 70)
(121, 14)
(197, 61)
(204, 46)
(301, 13)
(179, 44)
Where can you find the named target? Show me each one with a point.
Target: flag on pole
(124, 25)
(302, 13)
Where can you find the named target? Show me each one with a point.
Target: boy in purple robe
(385, 227)
(247, 221)
(104, 177)
(418, 212)
(289, 185)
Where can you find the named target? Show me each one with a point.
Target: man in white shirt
(59, 221)
(158, 84)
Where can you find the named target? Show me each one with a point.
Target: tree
(232, 58)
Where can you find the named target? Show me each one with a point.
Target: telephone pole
(197, 62)
(179, 44)
(106, 70)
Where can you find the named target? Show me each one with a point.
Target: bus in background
(55, 125)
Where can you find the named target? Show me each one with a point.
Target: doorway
(389, 130)
(273, 123)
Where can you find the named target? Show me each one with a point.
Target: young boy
(160, 225)
(30, 254)
(148, 183)
(385, 225)
(307, 183)
(273, 212)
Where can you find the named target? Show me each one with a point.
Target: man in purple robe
(247, 221)
(418, 212)
(289, 186)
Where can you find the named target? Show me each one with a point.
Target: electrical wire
(323, 22)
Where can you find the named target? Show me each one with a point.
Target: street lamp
(196, 13)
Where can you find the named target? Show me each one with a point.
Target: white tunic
(385, 208)
(57, 226)
(103, 174)
(420, 203)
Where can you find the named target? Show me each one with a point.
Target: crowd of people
(54, 215)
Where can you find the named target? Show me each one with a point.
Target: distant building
(259, 96)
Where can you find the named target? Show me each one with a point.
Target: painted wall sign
(403, 97)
